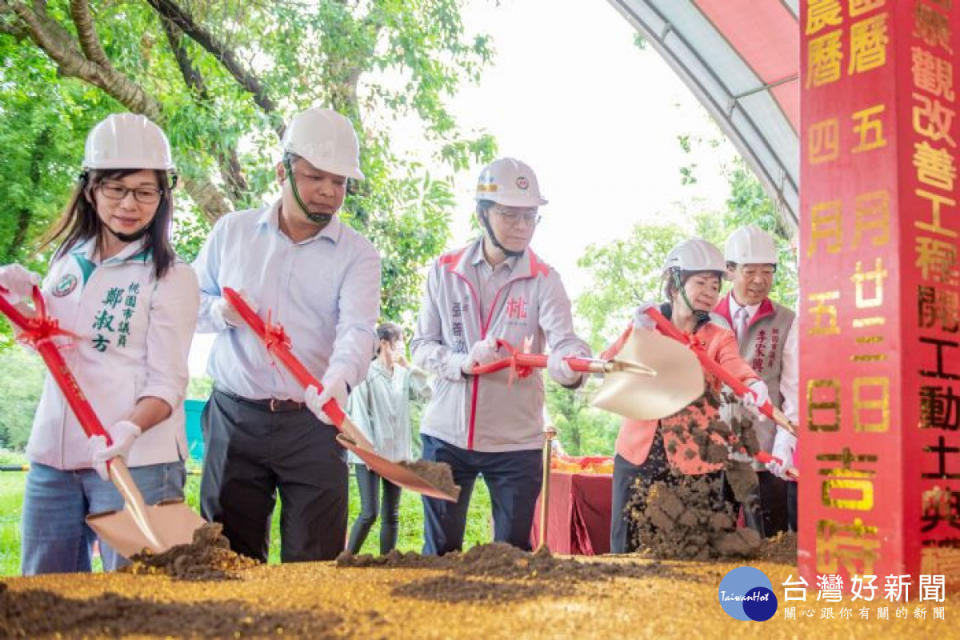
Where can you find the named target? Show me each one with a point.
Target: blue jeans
(55, 537)
(513, 478)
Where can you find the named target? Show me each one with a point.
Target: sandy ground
(316, 600)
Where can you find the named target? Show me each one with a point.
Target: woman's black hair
(389, 331)
(80, 222)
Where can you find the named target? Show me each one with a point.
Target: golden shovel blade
(676, 380)
(399, 474)
(139, 526)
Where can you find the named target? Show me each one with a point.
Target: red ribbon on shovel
(668, 329)
(278, 345)
(137, 526)
(277, 342)
(38, 332)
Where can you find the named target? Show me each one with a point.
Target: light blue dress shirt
(325, 291)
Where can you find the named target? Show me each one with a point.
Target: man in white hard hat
(495, 287)
(321, 280)
(767, 336)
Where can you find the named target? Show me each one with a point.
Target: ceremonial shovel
(350, 437)
(714, 367)
(137, 526)
(651, 376)
(728, 379)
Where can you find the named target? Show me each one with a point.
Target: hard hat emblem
(522, 183)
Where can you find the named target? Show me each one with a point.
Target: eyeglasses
(143, 195)
(514, 216)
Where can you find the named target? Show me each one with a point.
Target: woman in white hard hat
(115, 283)
(692, 274)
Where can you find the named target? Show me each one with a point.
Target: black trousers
(369, 484)
(771, 513)
(623, 536)
(252, 453)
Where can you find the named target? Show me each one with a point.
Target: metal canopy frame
(758, 109)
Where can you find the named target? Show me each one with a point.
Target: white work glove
(759, 395)
(640, 318)
(560, 370)
(19, 281)
(784, 444)
(334, 386)
(227, 314)
(123, 434)
(482, 352)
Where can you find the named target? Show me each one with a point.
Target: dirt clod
(500, 560)
(681, 519)
(498, 573)
(780, 549)
(28, 614)
(436, 473)
(208, 557)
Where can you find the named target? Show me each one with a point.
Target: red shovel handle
(278, 345)
(668, 329)
(38, 331)
(765, 458)
(520, 360)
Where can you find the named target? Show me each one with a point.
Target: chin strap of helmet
(321, 219)
(484, 217)
(698, 314)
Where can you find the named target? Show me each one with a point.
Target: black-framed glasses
(513, 217)
(143, 195)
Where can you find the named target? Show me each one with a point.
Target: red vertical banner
(927, 153)
(880, 348)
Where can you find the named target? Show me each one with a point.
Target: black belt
(273, 405)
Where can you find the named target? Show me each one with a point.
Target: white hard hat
(127, 141)
(509, 182)
(751, 245)
(325, 139)
(695, 254)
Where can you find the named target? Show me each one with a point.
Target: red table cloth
(579, 514)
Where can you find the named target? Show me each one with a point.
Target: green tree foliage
(43, 123)
(623, 274)
(222, 78)
(628, 271)
(749, 204)
(21, 380)
(582, 430)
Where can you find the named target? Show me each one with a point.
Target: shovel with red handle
(632, 400)
(137, 526)
(277, 343)
(648, 377)
(709, 364)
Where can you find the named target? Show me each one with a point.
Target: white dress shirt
(325, 291)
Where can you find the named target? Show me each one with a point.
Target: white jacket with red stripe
(488, 413)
